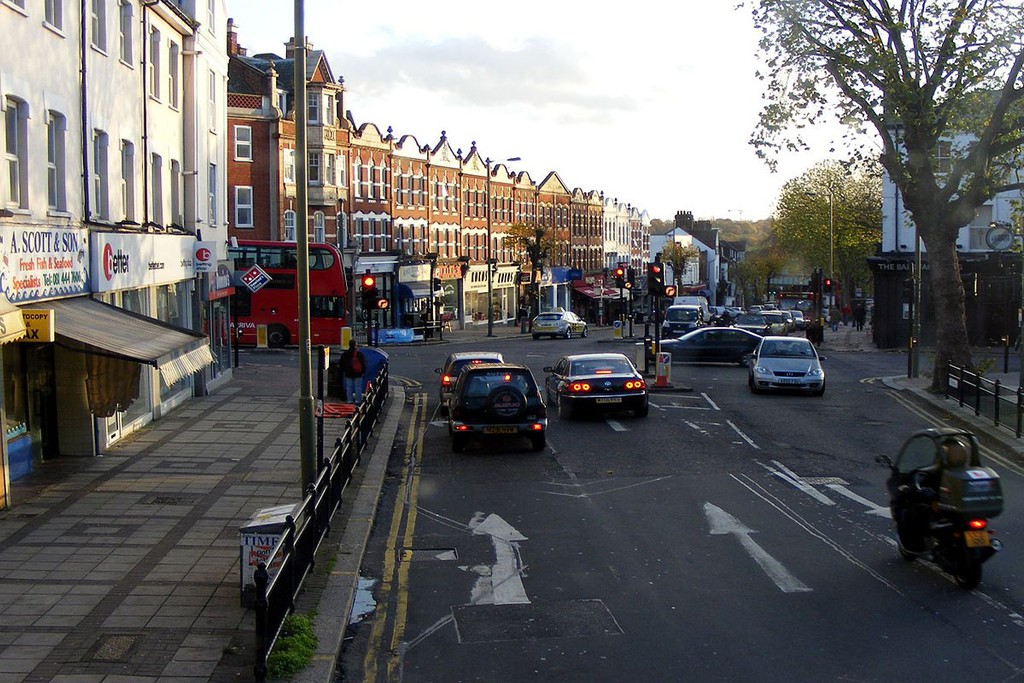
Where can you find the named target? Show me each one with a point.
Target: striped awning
(174, 351)
(12, 325)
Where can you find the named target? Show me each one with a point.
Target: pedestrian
(847, 315)
(353, 367)
(859, 313)
(833, 318)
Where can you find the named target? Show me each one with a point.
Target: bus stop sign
(255, 278)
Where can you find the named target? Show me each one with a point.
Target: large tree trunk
(948, 302)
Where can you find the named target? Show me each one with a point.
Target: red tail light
(578, 387)
(636, 384)
(446, 380)
(977, 523)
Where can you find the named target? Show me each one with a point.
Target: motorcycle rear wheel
(968, 572)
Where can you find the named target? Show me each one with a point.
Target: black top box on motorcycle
(972, 491)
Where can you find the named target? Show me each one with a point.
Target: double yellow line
(398, 553)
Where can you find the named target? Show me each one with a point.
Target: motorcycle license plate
(500, 430)
(977, 539)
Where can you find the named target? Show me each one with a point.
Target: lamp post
(491, 263)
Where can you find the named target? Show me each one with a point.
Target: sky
(652, 103)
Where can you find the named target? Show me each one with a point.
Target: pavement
(125, 567)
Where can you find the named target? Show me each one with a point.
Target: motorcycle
(941, 499)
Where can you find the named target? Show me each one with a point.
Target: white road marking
(617, 426)
(787, 475)
(697, 427)
(721, 522)
(879, 510)
(708, 399)
(503, 583)
(742, 435)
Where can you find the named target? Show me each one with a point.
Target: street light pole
(491, 264)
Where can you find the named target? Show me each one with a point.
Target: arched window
(319, 230)
(289, 226)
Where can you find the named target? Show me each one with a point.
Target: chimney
(272, 87)
(233, 50)
(289, 47)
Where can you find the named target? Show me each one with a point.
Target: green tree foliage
(678, 255)
(535, 242)
(752, 276)
(918, 73)
(831, 218)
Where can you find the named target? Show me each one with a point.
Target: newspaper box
(257, 540)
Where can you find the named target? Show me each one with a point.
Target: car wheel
(536, 337)
(565, 409)
(643, 410)
(585, 332)
(538, 442)
(277, 337)
(750, 383)
(458, 443)
(820, 392)
(568, 333)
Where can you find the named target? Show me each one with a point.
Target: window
(157, 183)
(243, 207)
(289, 165)
(55, 14)
(176, 181)
(313, 107)
(213, 101)
(154, 63)
(56, 129)
(243, 143)
(341, 170)
(329, 169)
(172, 75)
(16, 151)
(328, 117)
(128, 180)
(319, 233)
(289, 226)
(314, 168)
(101, 187)
(98, 24)
(212, 194)
(211, 15)
(943, 158)
(127, 42)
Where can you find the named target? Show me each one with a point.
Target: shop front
(449, 295)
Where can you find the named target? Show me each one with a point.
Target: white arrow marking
(503, 584)
(791, 477)
(881, 511)
(721, 522)
(617, 426)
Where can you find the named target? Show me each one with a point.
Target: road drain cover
(495, 623)
(113, 648)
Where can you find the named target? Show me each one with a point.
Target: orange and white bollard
(662, 369)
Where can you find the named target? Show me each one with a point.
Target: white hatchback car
(786, 364)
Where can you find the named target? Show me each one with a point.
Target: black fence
(986, 397)
(295, 554)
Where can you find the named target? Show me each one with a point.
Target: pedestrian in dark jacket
(353, 367)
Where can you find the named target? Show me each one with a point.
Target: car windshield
(600, 366)
(751, 320)
(483, 383)
(681, 315)
(787, 349)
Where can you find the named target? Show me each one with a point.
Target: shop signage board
(255, 278)
(121, 260)
(43, 263)
(39, 327)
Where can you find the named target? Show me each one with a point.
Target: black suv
(496, 400)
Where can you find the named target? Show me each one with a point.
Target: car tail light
(977, 523)
(636, 384)
(578, 387)
(446, 380)
(537, 427)
(461, 428)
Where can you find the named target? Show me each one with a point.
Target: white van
(699, 301)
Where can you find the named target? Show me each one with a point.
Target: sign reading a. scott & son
(42, 263)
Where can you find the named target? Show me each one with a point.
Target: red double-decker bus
(276, 304)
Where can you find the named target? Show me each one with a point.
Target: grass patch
(294, 647)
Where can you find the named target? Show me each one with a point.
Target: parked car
(558, 324)
(496, 401)
(712, 345)
(453, 365)
(753, 322)
(596, 382)
(786, 364)
(681, 319)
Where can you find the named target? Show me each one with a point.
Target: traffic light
(630, 277)
(826, 285)
(668, 291)
(370, 294)
(815, 283)
(620, 276)
(655, 279)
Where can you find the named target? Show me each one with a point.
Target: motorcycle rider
(914, 490)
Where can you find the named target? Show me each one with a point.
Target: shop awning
(12, 326)
(600, 292)
(174, 351)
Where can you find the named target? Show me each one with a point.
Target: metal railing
(295, 554)
(986, 397)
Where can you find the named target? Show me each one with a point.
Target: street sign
(255, 278)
